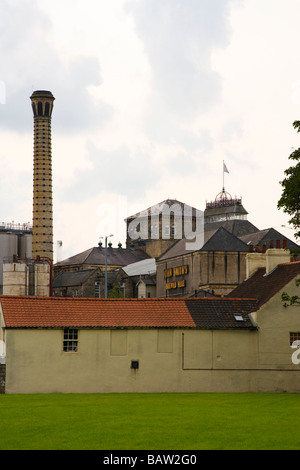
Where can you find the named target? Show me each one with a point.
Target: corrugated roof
(140, 268)
(57, 312)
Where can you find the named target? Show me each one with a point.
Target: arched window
(40, 108)
(47, 108)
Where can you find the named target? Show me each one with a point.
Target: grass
(184, 421)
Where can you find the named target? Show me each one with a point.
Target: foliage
(115, 293)
(290, 198)
(133, 421)
(291, 299)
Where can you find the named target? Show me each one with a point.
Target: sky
(151, 96)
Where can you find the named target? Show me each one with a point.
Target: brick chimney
(268, 259)
(42, 231)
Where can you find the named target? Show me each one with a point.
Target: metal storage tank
(25, 246)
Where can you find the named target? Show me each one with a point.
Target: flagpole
(223, 176)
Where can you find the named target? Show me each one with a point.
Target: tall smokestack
(42, 230)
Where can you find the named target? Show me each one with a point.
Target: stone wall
(2, 378)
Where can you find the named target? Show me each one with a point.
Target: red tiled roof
(84, 312)
(57, 312)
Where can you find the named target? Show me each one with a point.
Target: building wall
(216, 271)
(276, 322)
(20, 278)
(169, 361)
(86, 289)
(144, 290)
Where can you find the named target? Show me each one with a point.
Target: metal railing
(7, 226)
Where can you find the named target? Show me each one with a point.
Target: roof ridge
(126, 299)
(289, 263)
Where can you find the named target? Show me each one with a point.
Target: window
(47, 108)
(154, 231)
(294, 337)
(238, 317)
(97, 289)
(70, 340)
(40, 108)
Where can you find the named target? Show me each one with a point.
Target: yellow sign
(171, 285)
(180, 270)
(175, 284)
(168, 273)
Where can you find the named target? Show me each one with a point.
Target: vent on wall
(134, 364)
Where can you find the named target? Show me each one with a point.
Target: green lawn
(184, 421)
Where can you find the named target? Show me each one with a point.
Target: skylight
(238, 317)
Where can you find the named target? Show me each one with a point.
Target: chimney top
(42, 93)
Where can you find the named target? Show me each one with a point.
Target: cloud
(29, 62)
(178, 38)
(112, 171)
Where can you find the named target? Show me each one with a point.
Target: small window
(70, 340)
(97, 289)
(40, 108)
(47, 109)
(238, 317)
(294, 336)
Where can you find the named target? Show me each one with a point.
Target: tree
(290, 198)
(290, 203)
(115, 293)
(291, 299)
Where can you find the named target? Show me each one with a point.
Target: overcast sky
(150, 97)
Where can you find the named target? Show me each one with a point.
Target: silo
(25, 246)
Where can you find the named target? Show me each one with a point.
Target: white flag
(225, 168)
